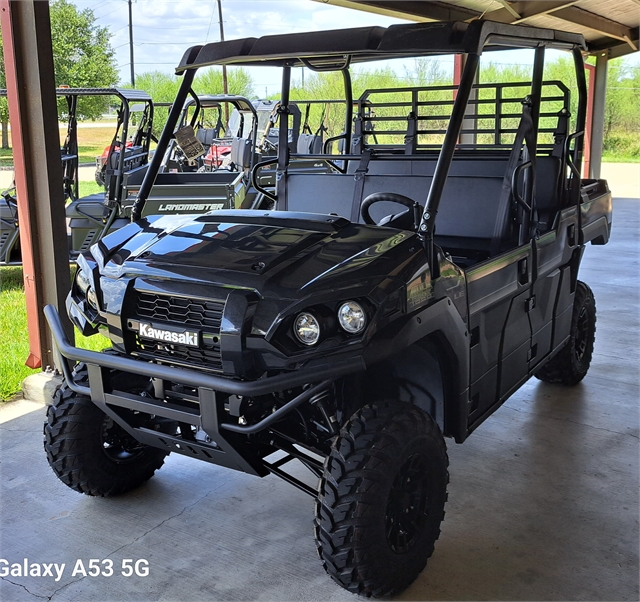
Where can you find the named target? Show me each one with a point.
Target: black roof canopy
(374, 43)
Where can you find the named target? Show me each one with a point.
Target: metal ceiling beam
(527, 10)
(566, 11)
(603, 45)
(414, 10)
(604, 26)
(516, 12)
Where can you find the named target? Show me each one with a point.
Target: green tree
(163, 88)
(209, 81)
(82, 56)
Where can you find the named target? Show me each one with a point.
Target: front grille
(204, 315)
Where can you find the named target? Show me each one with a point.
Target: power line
(103, 5)
(112, 11)
(213, 12)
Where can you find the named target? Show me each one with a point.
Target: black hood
(282, 250)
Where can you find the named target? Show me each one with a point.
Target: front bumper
(209, 410)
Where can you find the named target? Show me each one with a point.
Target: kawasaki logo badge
(187, 337)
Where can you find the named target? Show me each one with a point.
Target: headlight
(92, 298)
(306, 328)
(83, 281)
(352, 317)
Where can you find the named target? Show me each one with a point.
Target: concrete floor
(543, 501)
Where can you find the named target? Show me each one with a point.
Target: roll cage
(337, 50)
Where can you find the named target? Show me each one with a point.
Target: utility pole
(225, 84)
(133, 75)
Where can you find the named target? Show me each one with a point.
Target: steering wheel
(268, 146)
(389, 197)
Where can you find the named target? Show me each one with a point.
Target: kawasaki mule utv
(90, 217)
(396, 300)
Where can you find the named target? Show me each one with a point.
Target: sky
(164, 29)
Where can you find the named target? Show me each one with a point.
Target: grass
(6, 157)
(91, 143)
(88, 187)
(14, 338)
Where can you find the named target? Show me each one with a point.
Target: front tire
(89, 452)
(381, 499)
(571, 364)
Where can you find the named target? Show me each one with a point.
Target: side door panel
(500, 328)
(545, 292)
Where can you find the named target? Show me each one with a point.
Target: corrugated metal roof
(608, 25)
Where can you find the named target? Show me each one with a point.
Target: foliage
(330, 86)
(82, 56)
(163, 88)
(209, 81)
(14, 344)
(623, 146)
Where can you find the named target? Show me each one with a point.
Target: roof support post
(599, 101)
(427, 224)
(588, 128)
(470, 122)
(163, 142)
(31, 95)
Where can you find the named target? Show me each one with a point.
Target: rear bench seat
(473, 221)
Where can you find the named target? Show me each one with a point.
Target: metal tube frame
(166, 136)
(427, 225)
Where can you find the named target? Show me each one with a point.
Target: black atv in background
(394, 300)
(184, 183)
(215, 169)
(91, 217)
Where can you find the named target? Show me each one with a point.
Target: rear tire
(381, 499)
(571, 364)
(88, 451)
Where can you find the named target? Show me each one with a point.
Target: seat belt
(559, 150)
(560, 134)
(410, 139)
(357, 142)
(524, 134)
(305, 126)
(358, 189)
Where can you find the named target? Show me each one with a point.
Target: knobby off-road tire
(381, 499)
(90, 453)
(571, 364)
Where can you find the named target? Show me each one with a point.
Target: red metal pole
(17, 139)
(458, 66)
(28, 55)
(588, 129)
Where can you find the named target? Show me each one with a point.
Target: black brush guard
(227, 449)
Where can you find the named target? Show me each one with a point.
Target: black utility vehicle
(399, 299)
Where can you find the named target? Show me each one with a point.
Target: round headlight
(306, 328)
(352, 317)
(83, 281)
(92, 298)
